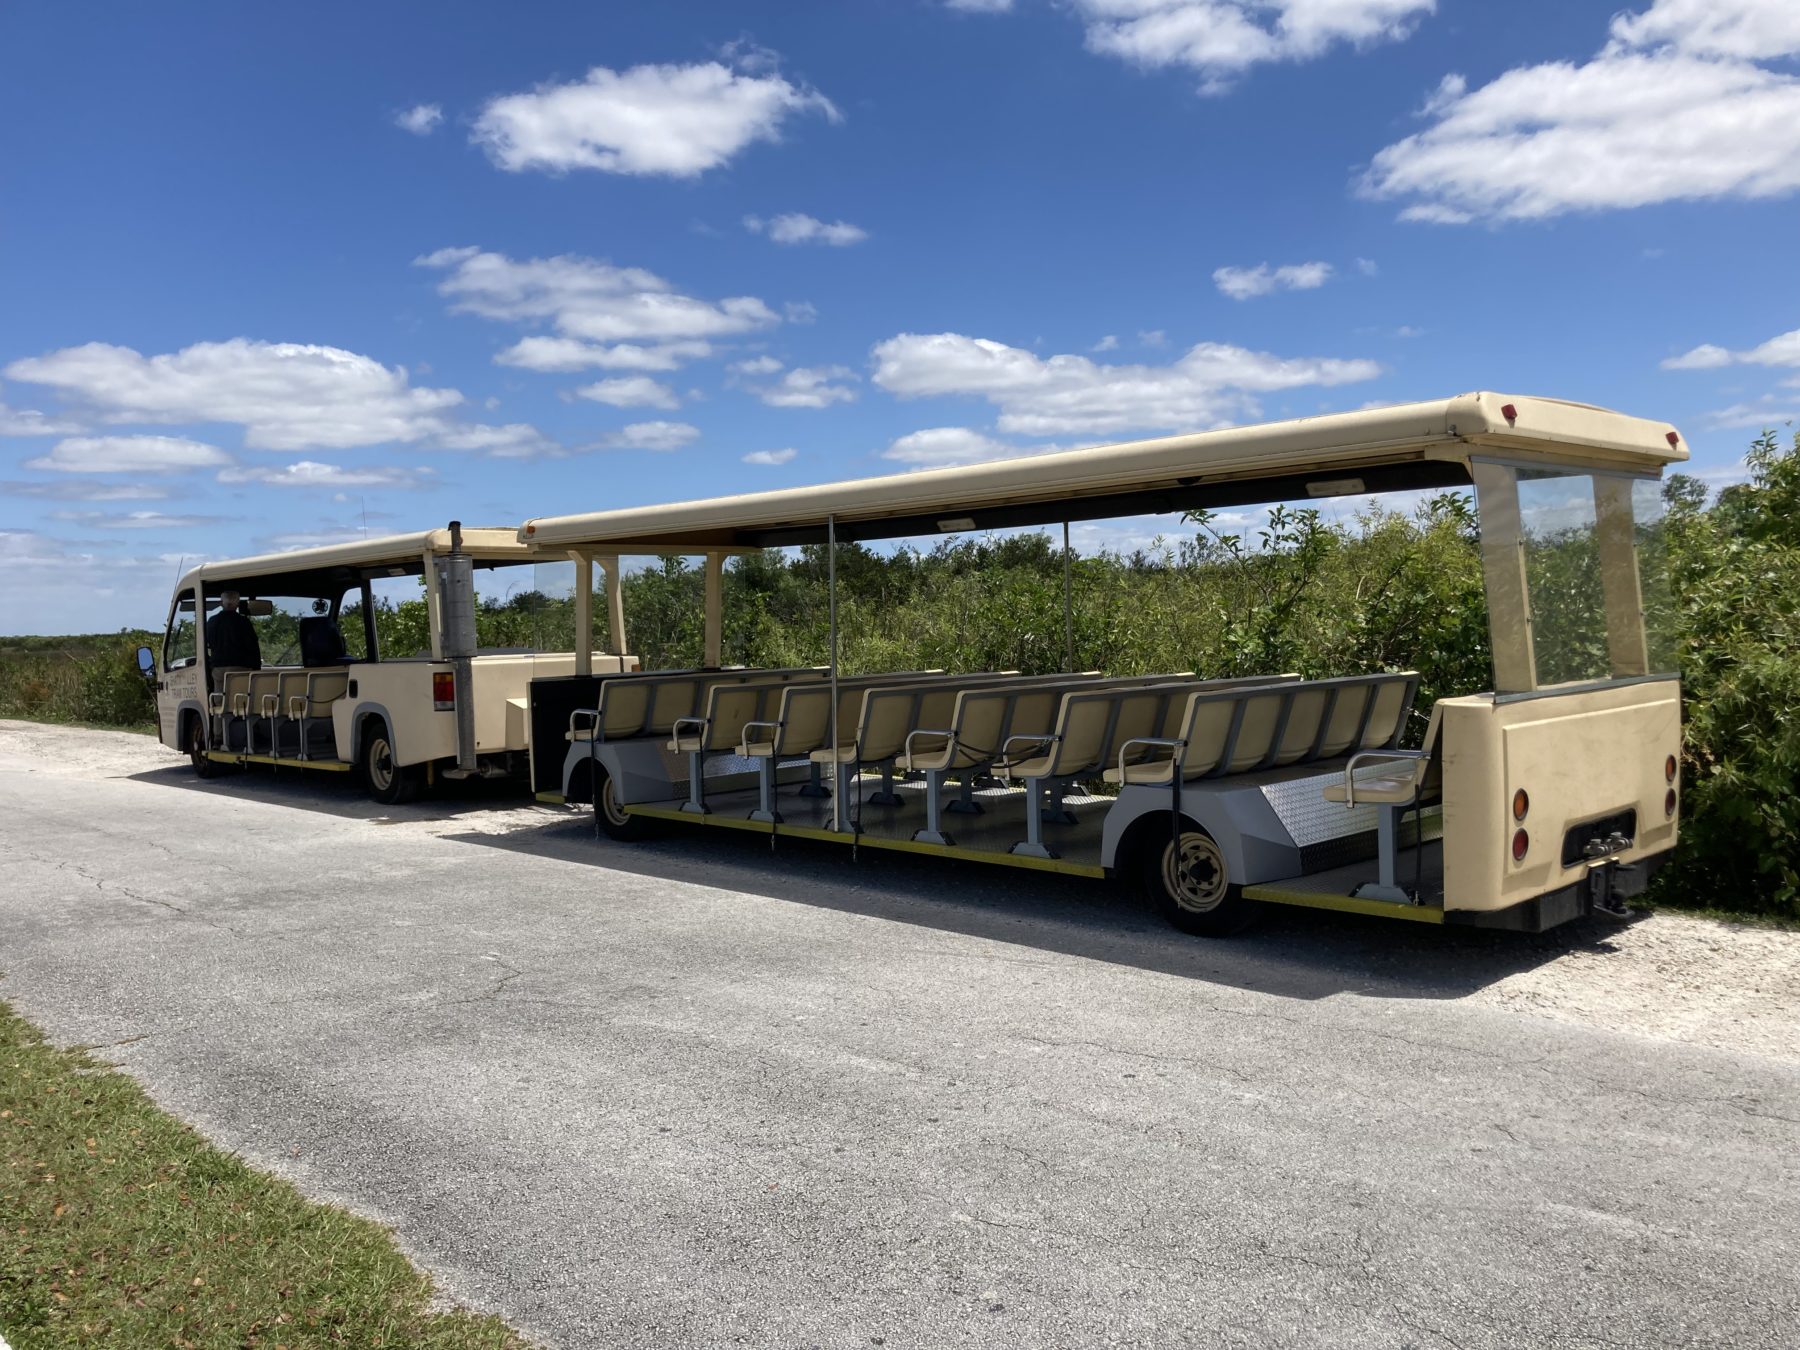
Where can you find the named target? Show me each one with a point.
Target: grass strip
(121, 1227)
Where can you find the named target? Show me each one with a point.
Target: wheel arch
(364, 716)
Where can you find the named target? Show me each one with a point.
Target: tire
(1197, 896)
(204, 767)
(389, 783)
(612, 821)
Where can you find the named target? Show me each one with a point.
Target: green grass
(122, 1227)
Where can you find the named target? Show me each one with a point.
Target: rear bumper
(1610, 885)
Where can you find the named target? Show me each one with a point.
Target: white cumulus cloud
(561, 355)
(74, 490)
(308, 473)
(1245, 283)
(285, 395)
(135, 520)
(1684, 102)
(796, 228)
(809, 387)
(1221, 39)
(660, 436)
(1211, 385)
(1783, 350)
(129, 454)
(604, 317)
(672, 120)
(756, 365)
(770, 458)
(29, 422)
(421, 119)
(935, 447)
(631, 391)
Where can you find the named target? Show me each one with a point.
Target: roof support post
(584, 612)
(715, 610)
(1627, 646)
(1503, 568)
(837, 798)
(434, 608)
(1068, 603)
(615, 604)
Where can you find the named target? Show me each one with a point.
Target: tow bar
(1603, 895)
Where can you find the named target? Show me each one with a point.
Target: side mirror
(146, 664)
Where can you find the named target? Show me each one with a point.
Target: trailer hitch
(1602, 865)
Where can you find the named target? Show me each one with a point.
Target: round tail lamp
(1669, 803)
(1669, 768)
(1521, 842)
(1521, 804)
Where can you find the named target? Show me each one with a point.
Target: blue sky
(269, 277)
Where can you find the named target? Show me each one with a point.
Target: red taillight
(1521, 842)
(1521, 804)
(1669, 803)
(1669, 768)
(1673, 439)
(1509, 412)
(443, 690)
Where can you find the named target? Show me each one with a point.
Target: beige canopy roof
(349, 562)
(1412, 445)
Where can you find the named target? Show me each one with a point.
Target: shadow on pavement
(340, 795)
(1291, 952)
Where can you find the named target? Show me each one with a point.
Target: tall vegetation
(1384, 591)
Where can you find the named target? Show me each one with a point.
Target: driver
(231, 640)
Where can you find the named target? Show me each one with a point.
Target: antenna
(363, 502)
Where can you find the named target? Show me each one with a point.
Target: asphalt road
(687, 1093)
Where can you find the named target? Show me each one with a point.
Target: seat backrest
(1257, 726)
(262, 684)
(1387, 716)
(732, 706)
(325, 687)
(237, 683)
(321, 641)
(1300, 727)
(1344, 718)
(292, 684)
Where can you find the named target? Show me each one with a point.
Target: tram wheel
(612, 818)
(1190, 884)
(205, 766)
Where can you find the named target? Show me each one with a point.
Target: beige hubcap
(1195, 878)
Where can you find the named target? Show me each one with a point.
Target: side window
(179, 646)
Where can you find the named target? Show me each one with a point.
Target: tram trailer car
(1551, 796)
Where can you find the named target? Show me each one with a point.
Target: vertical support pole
(837, 798)
(1068, 603)
(434, 606)
(715, 610)
(584, 613)
(615, 605)
(1503, 567)
(1627, 645)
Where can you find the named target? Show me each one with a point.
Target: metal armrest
(1175, 743)
(745, 733)
(680, 722)
(592, 715)
(298, 705)
(271, 705)
(907, 749)
(1350, 769)
(215, 704)
(240, 705)
(1005, 764)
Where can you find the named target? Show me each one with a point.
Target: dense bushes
(1385, 591)
(78, 679)
(1736, 569)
